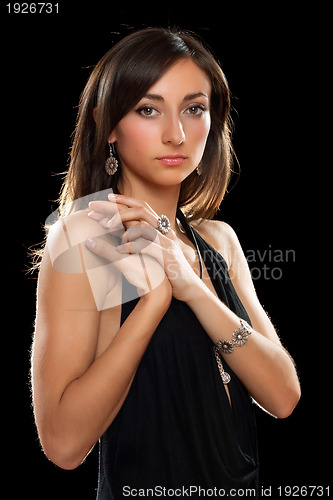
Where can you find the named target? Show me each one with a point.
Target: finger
(141, 230)
(137, 214)
(103, 248)
(145, 230)
(103, 209)
(96, 215)
(143, 246)
(132, 247)
(103, 222)
(100, 218)
(129, 202)
(143, 273)
(151, 257)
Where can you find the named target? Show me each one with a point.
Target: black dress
(176, 433)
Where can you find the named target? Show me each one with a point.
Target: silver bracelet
(238, 339)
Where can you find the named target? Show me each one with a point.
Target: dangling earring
(199, 170)
(111, 163)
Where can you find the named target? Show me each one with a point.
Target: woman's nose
(173, 132)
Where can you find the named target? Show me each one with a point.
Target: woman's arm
(76, 394)
(262, 364)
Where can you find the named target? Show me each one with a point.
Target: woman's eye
(196, 110)
(146, 111)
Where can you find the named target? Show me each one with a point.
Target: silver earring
(199, 170)
(111, 163)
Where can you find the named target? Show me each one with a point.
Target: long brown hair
(117, 83)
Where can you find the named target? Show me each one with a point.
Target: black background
(265, 54)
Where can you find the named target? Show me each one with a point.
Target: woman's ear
(112, 137)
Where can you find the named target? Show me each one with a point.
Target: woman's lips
(172, 159)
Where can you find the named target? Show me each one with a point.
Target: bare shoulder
(220, 236)
(66, 243)
(68, 265)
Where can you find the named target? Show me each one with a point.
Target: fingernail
(91, 243)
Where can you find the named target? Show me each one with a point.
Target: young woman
(143, 338)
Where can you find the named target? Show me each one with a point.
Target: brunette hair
(117, 83)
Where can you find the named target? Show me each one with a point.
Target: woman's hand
(142, 271)
(141, 238)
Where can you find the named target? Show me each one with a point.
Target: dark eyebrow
(188, 97)
(153, 97)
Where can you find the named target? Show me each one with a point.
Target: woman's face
(162, 140)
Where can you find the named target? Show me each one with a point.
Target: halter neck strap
(191, 235)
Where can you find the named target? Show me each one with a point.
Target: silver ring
(163, 224)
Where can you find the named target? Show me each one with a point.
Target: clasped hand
(151, 256)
